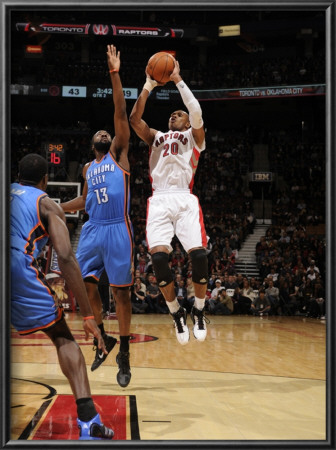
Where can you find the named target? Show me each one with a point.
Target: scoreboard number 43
(73, 91)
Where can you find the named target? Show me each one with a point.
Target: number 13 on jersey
(102, 196)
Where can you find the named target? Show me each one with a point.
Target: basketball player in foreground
(34, 219)
(106, 239)
(173, 209)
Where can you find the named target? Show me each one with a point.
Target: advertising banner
(101, 29)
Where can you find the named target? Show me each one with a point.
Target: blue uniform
(106, 239)
(32, 300)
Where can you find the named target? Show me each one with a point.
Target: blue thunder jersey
(27, 231)
(108, 194)
(106, 239)
(33, 306)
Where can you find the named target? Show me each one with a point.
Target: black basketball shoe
(100, 357)
(124, 374)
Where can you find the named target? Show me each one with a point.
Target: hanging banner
(101, 30)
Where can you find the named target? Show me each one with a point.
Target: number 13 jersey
(108, 195)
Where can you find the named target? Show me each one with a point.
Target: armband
(88, 317)
(192, 104)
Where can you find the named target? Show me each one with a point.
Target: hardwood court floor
(252, 379)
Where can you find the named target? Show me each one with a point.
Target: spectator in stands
(273, 274)
(248, 295)
(240, 303)
(272, 293)
(152, 294)
(187, 270)
(288, 304)
(255, 284)
(138, 297)
(317, 302)
(181, 294)
(212, 281)
(223, 305)
(137, 274)
(142, 264)
(227, 250)
(306, 290)
(177, 257)
(240, 280)
(311, 274)
(231, 285)
(251, 221)
(260, 305)
(313, 266)
(217, 288)
(217, 268)
(190, 294)
(142, 252)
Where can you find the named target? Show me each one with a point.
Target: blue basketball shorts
(109, 246)
(33, 306)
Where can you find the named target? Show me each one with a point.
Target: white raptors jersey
(173, 160)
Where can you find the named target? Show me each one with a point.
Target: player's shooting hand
(152, 81)
(175, 75)
(113, 58)
(90, 327)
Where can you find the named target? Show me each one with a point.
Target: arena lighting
(229, 30)
(35, 49)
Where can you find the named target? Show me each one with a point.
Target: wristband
(114, 70)
(88, 317)
(150, 84)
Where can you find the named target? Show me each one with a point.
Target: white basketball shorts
(175, 213)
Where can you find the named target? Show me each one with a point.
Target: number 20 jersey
(173, 160)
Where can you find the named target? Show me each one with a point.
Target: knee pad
(162, 271)
(199, 262)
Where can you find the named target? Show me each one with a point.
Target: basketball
(160, 66)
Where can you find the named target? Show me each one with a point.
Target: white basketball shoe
(181, 329)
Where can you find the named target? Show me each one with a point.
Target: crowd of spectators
(221, 72)
(292, 281)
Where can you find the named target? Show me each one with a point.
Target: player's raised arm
(192, 104)
(137, 123)
(120, 142)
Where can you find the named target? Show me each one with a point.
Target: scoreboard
(55, 153)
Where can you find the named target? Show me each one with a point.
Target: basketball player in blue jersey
(34, 219)
(106, 239)
(173, 209)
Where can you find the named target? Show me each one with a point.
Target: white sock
(173, 306)
(199, 303)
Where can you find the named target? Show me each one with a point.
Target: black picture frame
(330, 15)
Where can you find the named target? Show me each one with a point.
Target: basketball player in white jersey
(173, 209)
